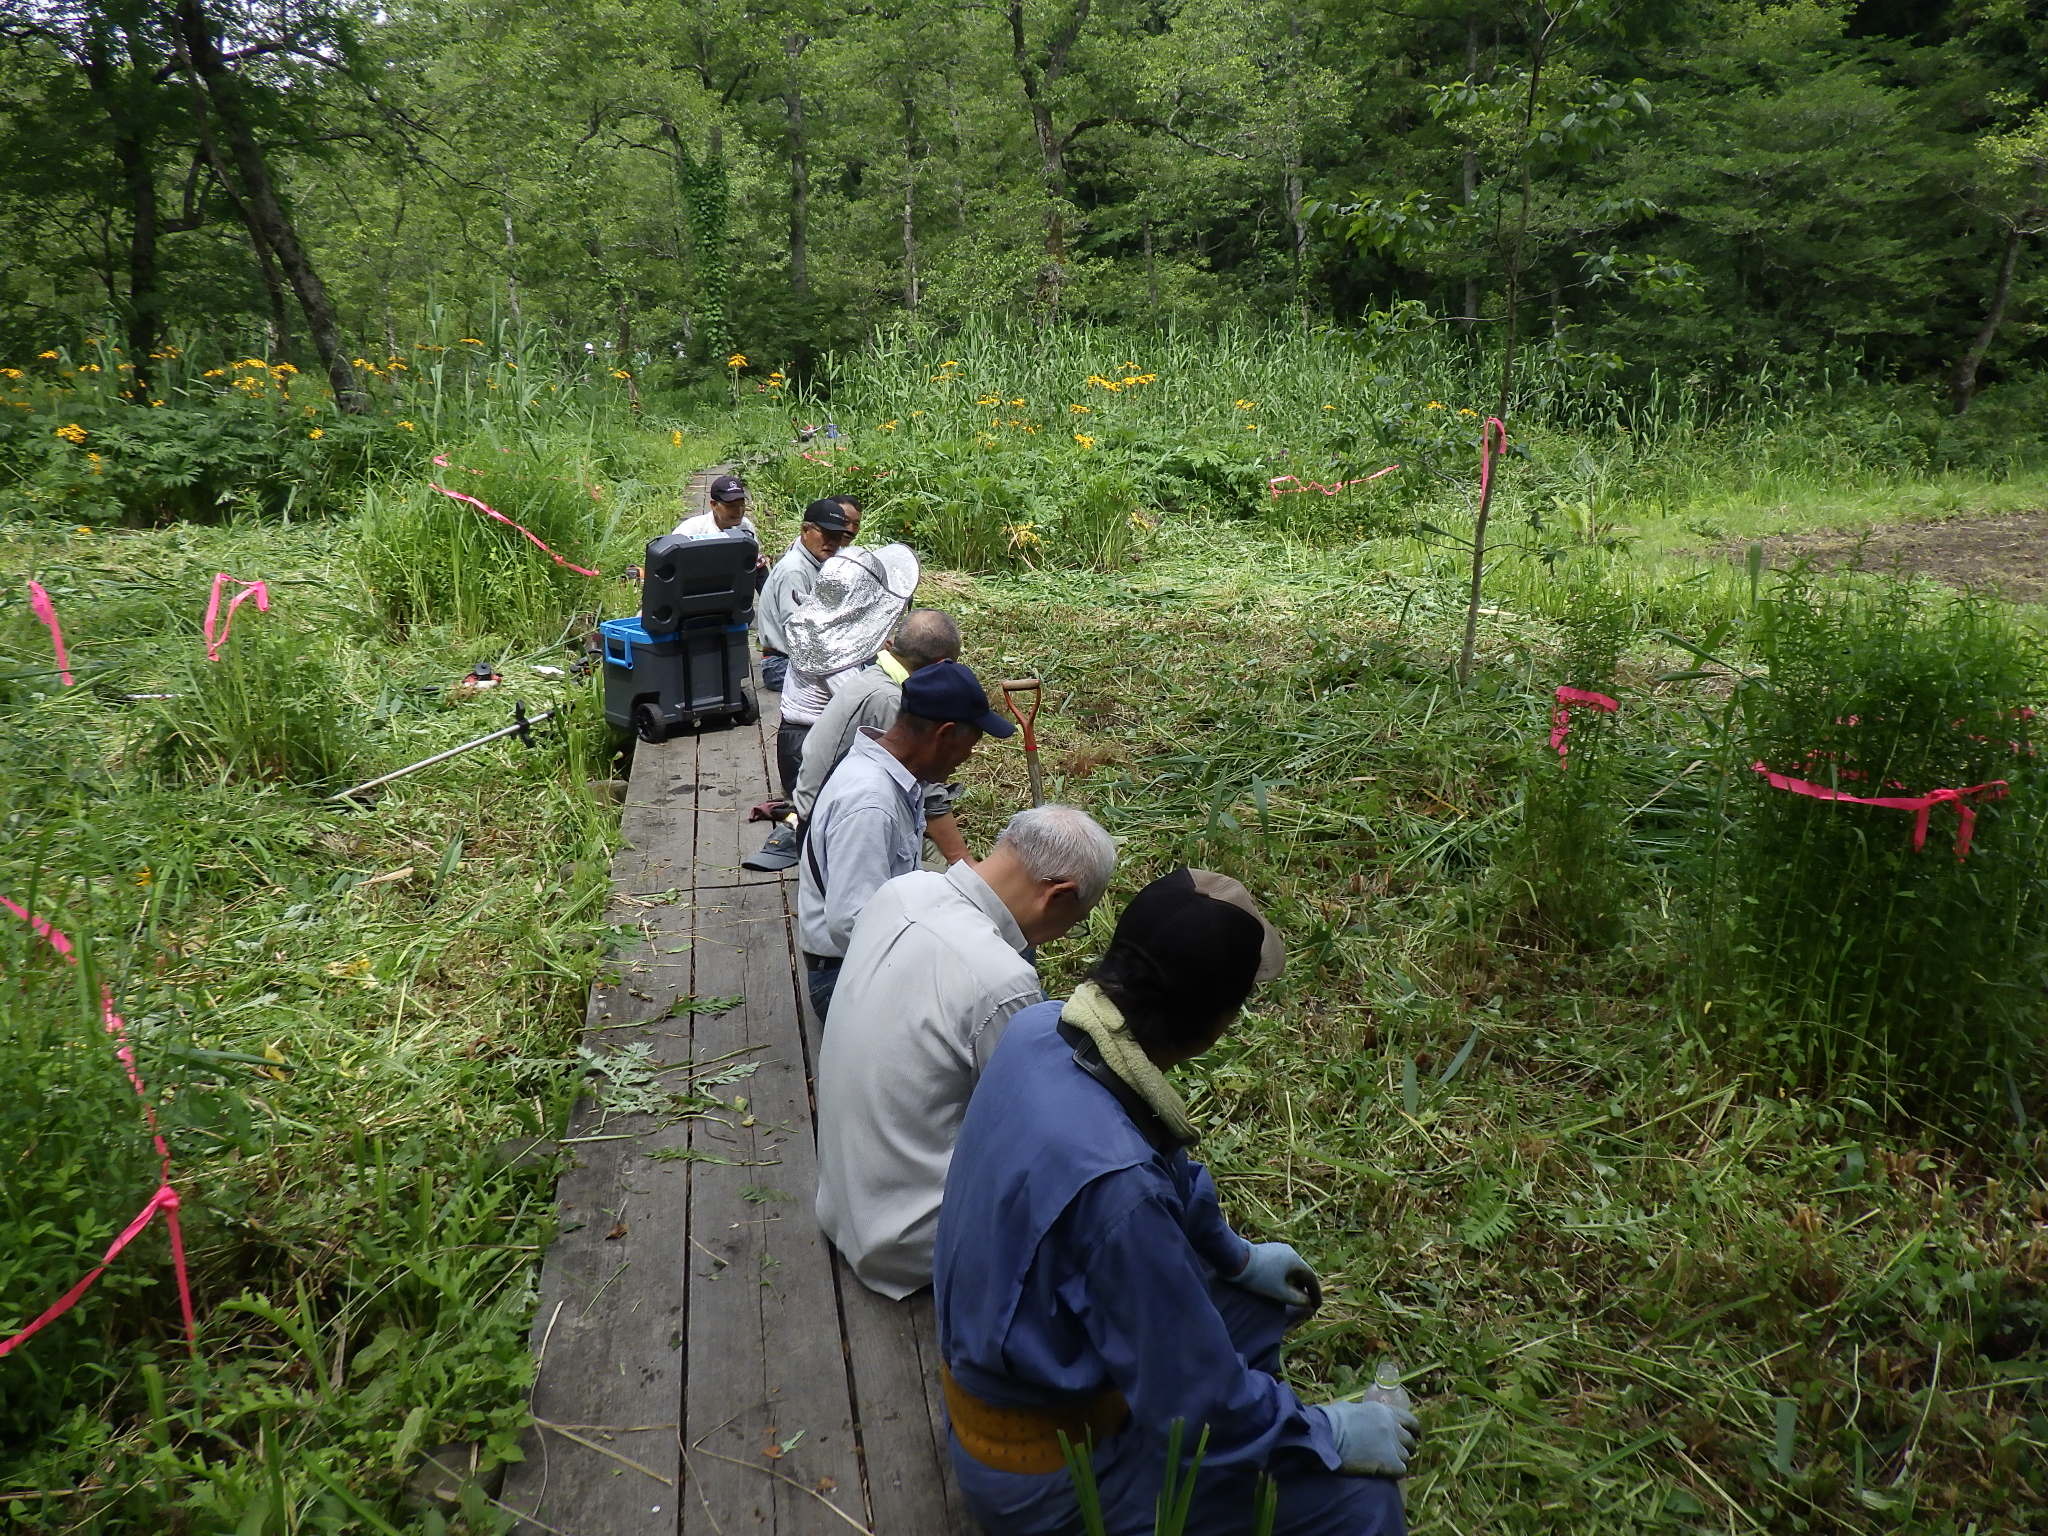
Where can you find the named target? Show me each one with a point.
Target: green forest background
(1721, 193)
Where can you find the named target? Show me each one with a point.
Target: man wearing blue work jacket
(1088, 1285)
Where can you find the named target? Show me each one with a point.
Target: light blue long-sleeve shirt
(867, 827)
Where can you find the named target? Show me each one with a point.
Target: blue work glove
(1373, 1439)
(1276, 1272)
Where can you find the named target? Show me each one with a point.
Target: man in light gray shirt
(935, 971)
(868, 824)
(827, 528)
(870, 696)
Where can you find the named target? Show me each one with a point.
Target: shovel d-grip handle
(1012, 686)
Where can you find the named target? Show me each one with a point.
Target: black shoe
(779, 852)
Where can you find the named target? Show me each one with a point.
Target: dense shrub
(1836, 954)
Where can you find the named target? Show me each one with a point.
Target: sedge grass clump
(427, 557)
(75, 1146)
(271, 708)
(1573, 847)
(1838, 955)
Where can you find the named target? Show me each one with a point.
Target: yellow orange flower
(620, 373)
(1247, 405)
(1084, 439)
(891, 425)
(1434, 405)
(46, 356)
(406, 426)
(737, 360)
(317, 433)
(1024, 537)
(73, 433)
(469, 341)
(675, 439)
(1080, 410)
(988, 400)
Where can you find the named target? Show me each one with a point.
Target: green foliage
(271, 708)
(1575, 850)
(1838, 956)
(79, 1168)
(425, 557)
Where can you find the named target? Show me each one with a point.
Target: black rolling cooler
(684, 660)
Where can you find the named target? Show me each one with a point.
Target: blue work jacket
(1075, 1256)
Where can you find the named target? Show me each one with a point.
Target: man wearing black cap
(827, 529)
(727, 517)
(867, 826)
(1087, 1284)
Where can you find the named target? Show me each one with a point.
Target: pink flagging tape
(1493, 440)
(164, 1202)
(40, 605)
(1273, 485)
(1569, 699)
(216, 638)
(496, 515)
(1922, 806)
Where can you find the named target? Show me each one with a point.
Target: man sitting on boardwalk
(871, 695)
(1088, 1285)
(935, 970)
(828, 528)
(868, 824)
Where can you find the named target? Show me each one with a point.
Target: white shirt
(933, 975)
(866, 828)
(704, 526)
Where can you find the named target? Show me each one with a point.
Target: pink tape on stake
(221, 579)
(1922, 806)
(164, 1201)
(494, 513)
(1273, 485)
(40, 605)
(1569, 699)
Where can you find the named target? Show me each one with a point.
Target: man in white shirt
(727, 517)
(935, 971)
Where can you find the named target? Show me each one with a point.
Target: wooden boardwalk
(707, 1363)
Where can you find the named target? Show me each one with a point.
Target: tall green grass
(426, 558)
(1835, 955)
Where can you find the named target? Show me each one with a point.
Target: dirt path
(2007, 554)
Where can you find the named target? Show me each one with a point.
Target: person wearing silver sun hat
(859, 596)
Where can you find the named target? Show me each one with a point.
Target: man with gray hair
(934, 971)
(871, 695)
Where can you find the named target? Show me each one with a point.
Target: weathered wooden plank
(902, 1432)
(611, 1318)
(807, 1376)
(726, 1419)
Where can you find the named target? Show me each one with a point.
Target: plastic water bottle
(1386, 1385)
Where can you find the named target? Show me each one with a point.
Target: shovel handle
(1012, 686)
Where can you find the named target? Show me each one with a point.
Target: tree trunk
(1469, 177)
(910, 294)
(133, 152)
(704, 190)
(1962, 384)
(511, 262)
(799, 172)
(1292, 188)
(1151, 268)
(266, 211)
(1038, 81)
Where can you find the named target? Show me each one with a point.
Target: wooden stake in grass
(1493, 442)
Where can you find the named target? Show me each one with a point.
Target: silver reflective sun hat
(859, 596)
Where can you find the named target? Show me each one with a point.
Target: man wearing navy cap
(828, 528)
(727, 516)
(867, 826)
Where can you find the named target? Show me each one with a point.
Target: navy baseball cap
(946, 690)
(728, 488)
(828, 515)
